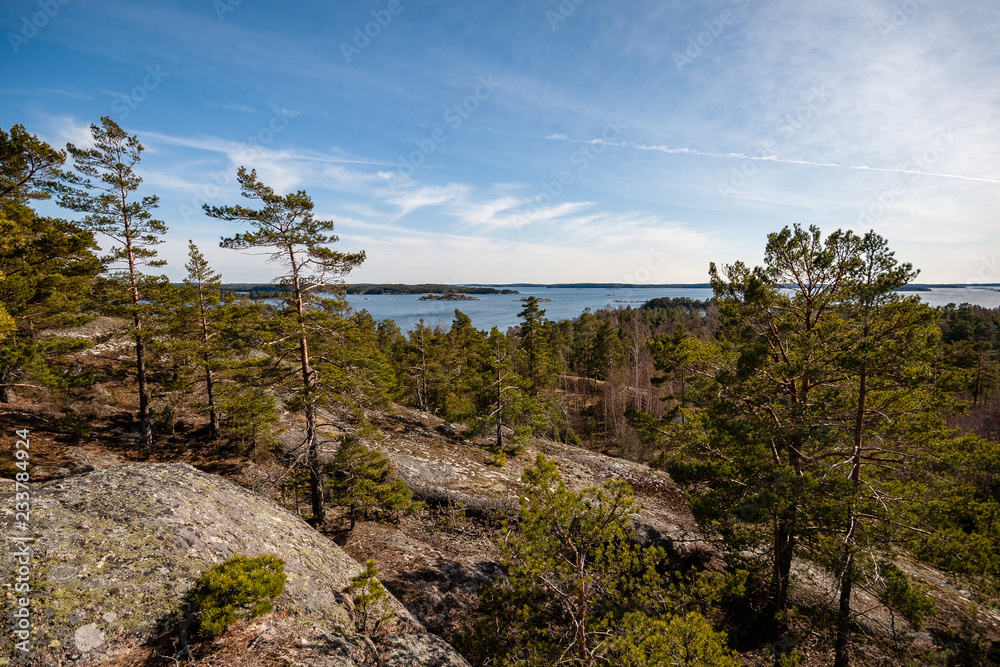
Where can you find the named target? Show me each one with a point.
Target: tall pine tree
(285, 226)
(886, 352)
(776, 321)
(104, 187)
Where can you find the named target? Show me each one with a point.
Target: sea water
(500, 310)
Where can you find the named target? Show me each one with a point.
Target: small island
(536, 299)
(425, 288)
(448, 296)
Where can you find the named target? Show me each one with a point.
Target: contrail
(772, 158)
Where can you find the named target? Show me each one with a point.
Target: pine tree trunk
(784, 527)
(311, 442)
(784, 546)
(499, 402)
(844, 614)
(846, 581)
(581, 616)
(145, 424)
(209, 380)
(213, 416)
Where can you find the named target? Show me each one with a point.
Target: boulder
(117, 549)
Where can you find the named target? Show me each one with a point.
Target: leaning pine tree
(284, 225)
(103, 187)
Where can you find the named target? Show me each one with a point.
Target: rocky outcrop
(116, 549)
(442, 466)
(436, 569)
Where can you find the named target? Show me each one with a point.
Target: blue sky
(540, 141)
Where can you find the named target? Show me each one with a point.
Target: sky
(539, 141)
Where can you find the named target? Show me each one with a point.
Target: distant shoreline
(508, 288)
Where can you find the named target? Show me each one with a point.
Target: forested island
(448, 296)
(804, 469)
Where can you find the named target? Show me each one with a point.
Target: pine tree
(419, 363)
(462, 356)
(47, 271)
(103, 187)
(203, 285)
(533, 341)
(371, 601)
(207, 339)
(29, 167)
(286, 226)
(580, 593)
(250, 417)
(241, 587)
(363, 480)
(778, 344)
(505, 403)
(886, 351)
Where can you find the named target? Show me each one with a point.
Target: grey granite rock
(116, 550)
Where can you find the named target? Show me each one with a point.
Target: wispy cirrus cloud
(21, 91)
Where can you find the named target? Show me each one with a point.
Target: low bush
(242, 587)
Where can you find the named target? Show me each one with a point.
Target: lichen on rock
(117, 549)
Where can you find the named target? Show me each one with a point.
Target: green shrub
(242, 587)
(371, 602)
(900, 595)
(363, 481)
